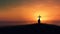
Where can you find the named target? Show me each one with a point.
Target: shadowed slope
(34, 28)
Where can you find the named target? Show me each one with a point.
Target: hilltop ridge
(33, 28)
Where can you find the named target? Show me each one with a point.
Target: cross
(39, 19)
(39, 16)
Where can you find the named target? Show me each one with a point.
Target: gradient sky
(28, 10)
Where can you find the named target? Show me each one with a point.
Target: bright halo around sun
(42, 14)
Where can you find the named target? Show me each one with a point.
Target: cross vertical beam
(39, 19)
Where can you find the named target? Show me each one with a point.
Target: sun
(42, 14)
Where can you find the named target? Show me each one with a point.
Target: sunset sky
(29, 10)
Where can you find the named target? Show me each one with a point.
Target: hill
(31, 29)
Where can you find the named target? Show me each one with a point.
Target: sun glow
(42, 14)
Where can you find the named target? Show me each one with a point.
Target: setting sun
(42, 14)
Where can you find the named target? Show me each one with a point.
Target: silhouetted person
(39, 20)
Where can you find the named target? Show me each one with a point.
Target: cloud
(6, 3)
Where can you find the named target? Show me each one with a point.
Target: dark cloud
(7, 4)
(4, 3)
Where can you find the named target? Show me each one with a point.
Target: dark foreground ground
(31, 29)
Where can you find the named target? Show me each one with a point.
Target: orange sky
(29, 10)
